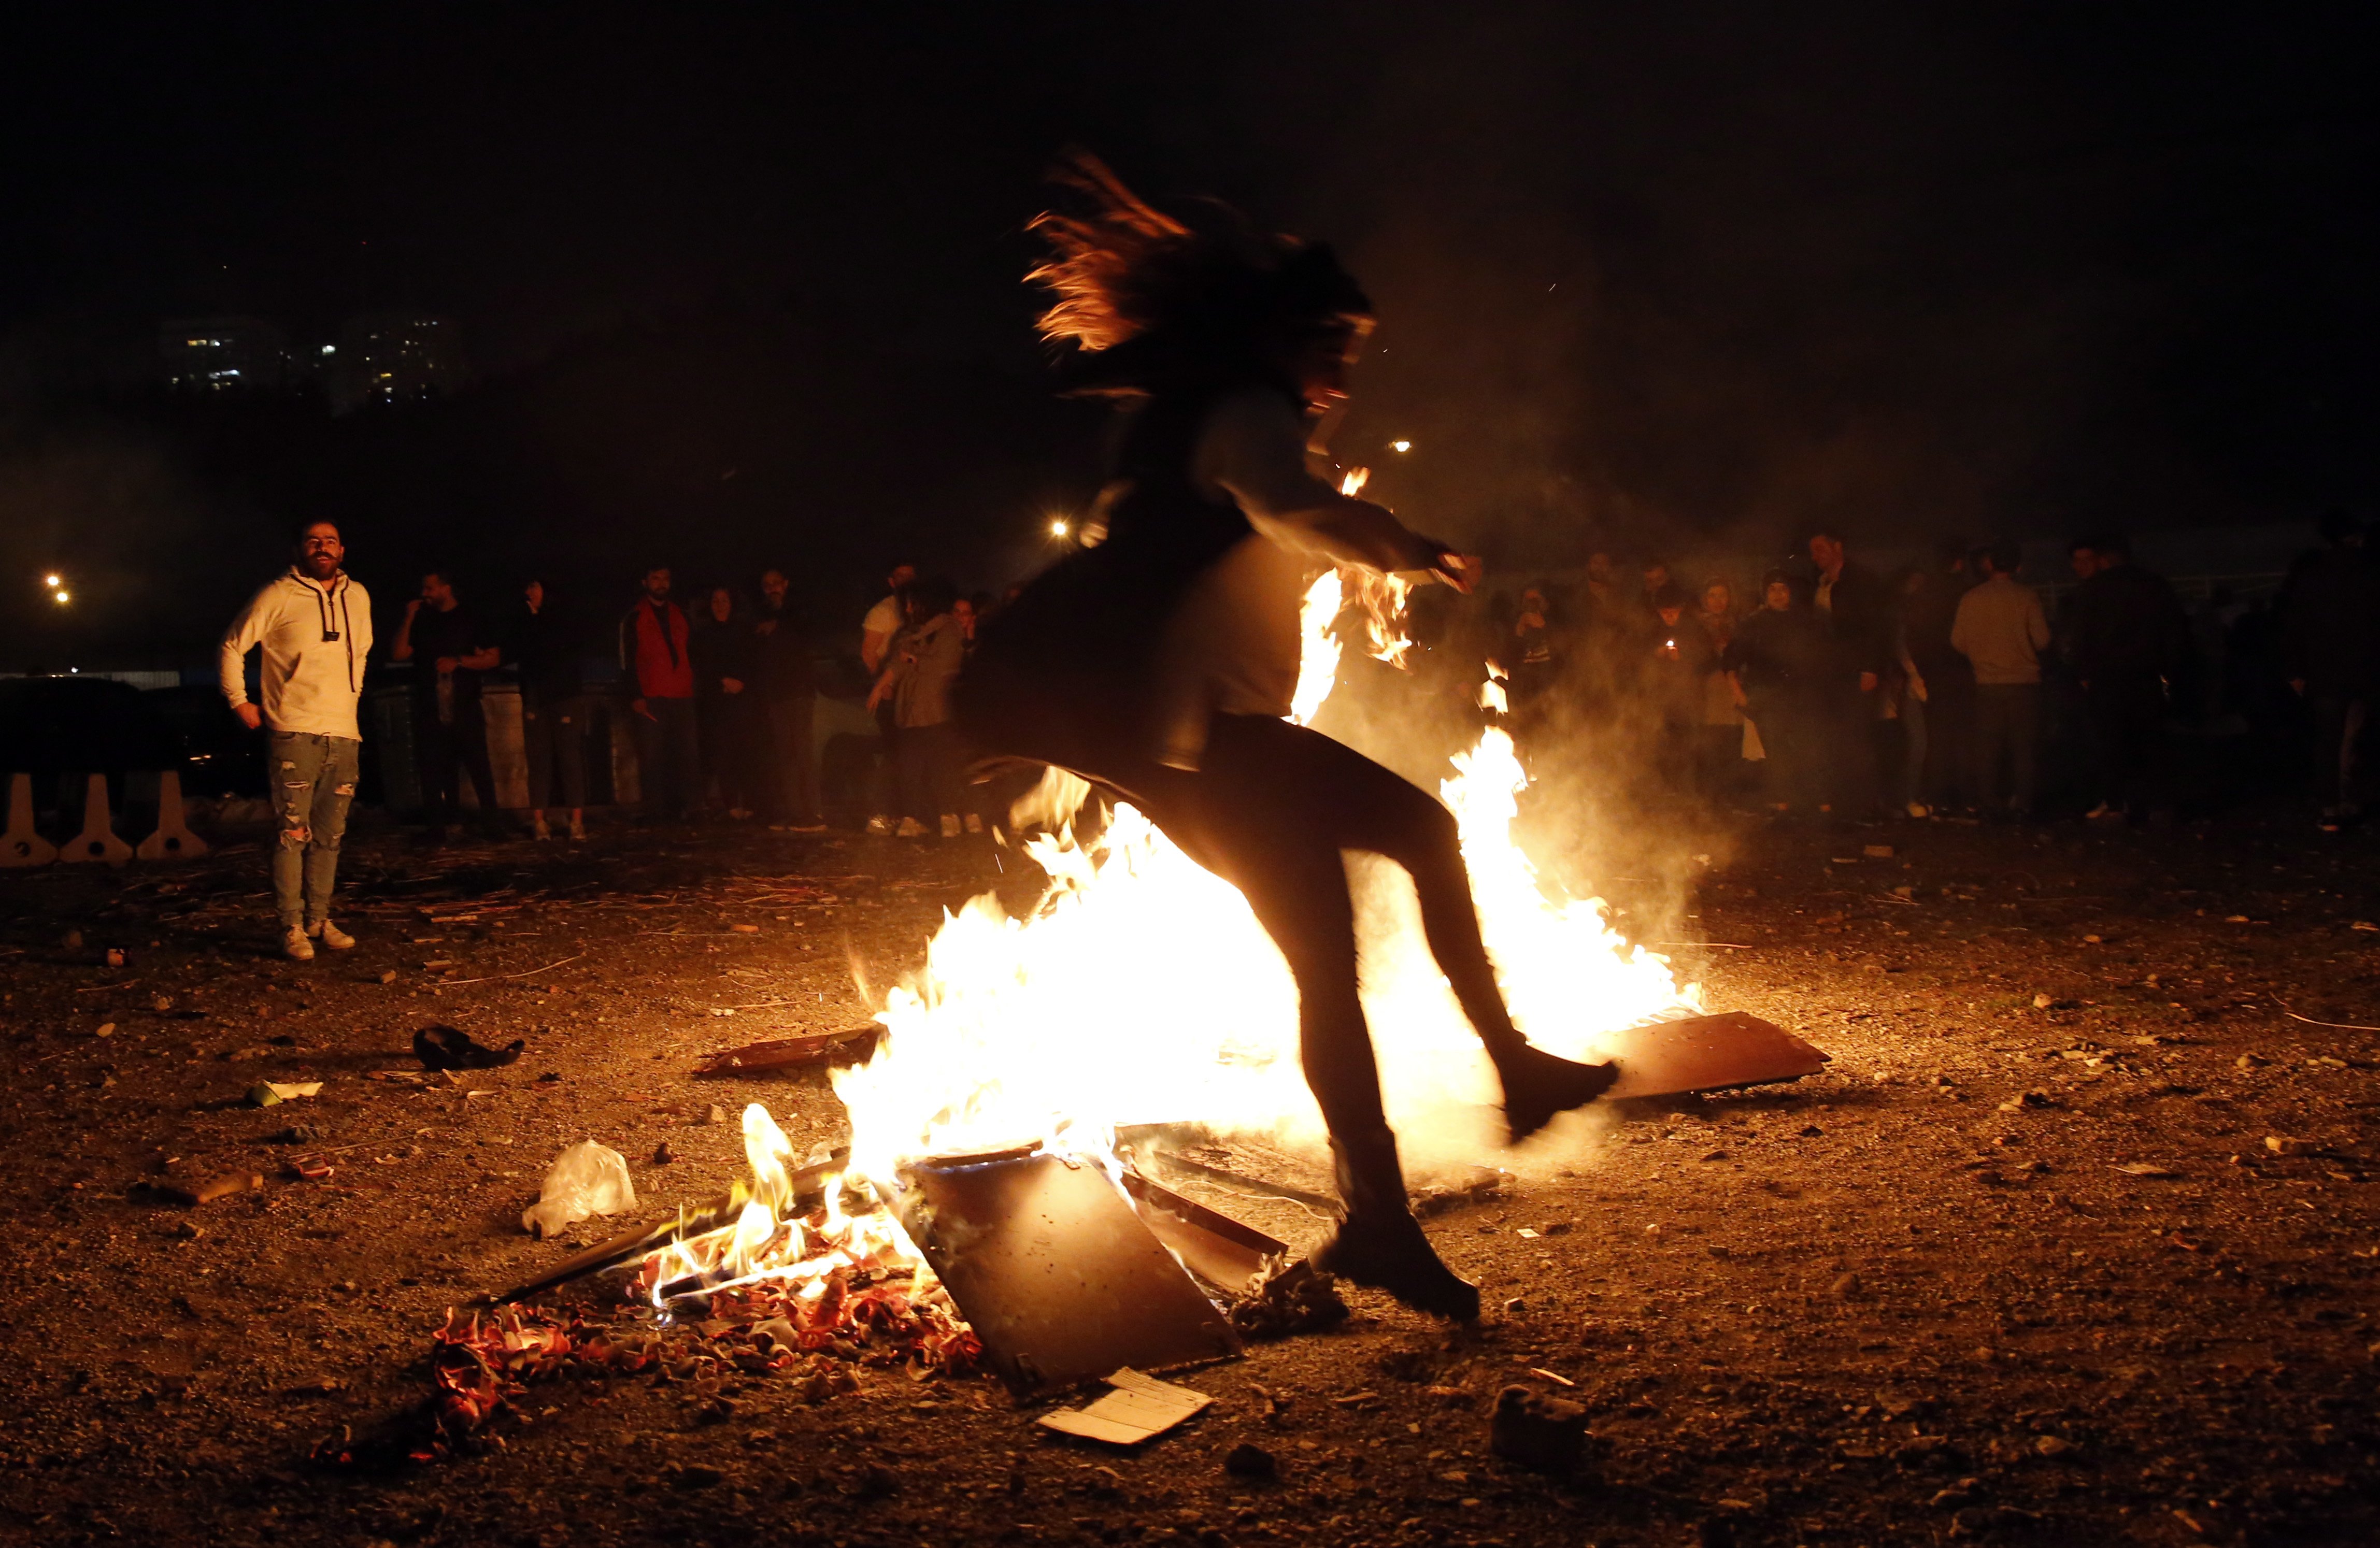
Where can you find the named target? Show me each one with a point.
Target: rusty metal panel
(1708, 1053)
(1054, 1271)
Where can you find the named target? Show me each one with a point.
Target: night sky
(742, 289)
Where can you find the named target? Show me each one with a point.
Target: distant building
(390, 357)
(223, 354)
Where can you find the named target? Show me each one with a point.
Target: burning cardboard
(1057, 1276)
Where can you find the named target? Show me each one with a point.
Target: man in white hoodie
(315, 627)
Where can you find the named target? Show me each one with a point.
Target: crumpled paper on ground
(587, 1179)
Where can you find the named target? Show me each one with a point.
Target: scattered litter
(1249, 1460)
(587, 1179)
(746, 929)
(445, 1047)
(1286, 1301)
(1878, 851)
(1139, 1407)
(2145, 1168)
(1547, 1435)
(2043, 1002)
(663, 1154)
(2281, 1145)
(1551, 1376)
(106, 1029)
(266, 1093)
(715, 1117)
(222, 1186)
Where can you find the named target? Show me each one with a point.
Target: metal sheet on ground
(1217, 1248)
(1708, 1053)
(1057, 1276)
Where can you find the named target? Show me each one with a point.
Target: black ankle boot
(1537, 1086)
(1378, 1243)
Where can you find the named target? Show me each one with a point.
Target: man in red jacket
(654, 653)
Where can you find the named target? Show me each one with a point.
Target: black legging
(1270, 811)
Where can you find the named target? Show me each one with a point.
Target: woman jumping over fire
(1158, 660)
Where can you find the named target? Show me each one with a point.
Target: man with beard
(314, 625)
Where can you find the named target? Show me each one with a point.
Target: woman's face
(1322, 364)
(964, 611)
(1717, 600)
(722, 604)
(1780, 595)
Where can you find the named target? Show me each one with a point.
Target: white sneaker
(537, 827)
(295, 945)
(579, 828)
(974, 823)
(950, 825)
(879, 827)
(331, 936)
(910, 828)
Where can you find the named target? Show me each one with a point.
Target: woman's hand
(1460, 570)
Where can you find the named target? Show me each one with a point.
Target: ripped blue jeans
(314, 781)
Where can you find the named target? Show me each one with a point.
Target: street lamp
(1400, 445)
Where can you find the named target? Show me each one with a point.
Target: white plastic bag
(587, 1179)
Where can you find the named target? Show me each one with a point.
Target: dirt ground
(2024, 1265)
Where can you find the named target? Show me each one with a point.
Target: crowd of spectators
(1833, 691)
(721, 694)
(1943, 691)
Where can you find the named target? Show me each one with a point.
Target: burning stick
(809, 1188)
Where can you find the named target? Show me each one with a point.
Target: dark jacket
(2330, 623)
(724, 650)
(782, 658)
(1674, 687)
(2125, 624)
(1926, 615)
(545, 652)
(1780, 659)
(1858, 623)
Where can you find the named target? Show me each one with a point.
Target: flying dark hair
(1146, 298)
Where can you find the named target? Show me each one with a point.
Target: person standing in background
(1856, 611)
(787, 684)
(314, 625)
(654, 653)
(1947, 708)
(2001, 631)
(2130, 641)
(449, 726)
(2330, 649)
(886, 619)
(918, 670)
(554, 712)
(1677, 660)
(1777, 657)
(726, 701)
(1718, 759)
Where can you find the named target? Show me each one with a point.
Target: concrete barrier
(22, 845)
(173, 840)
(97, 843)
